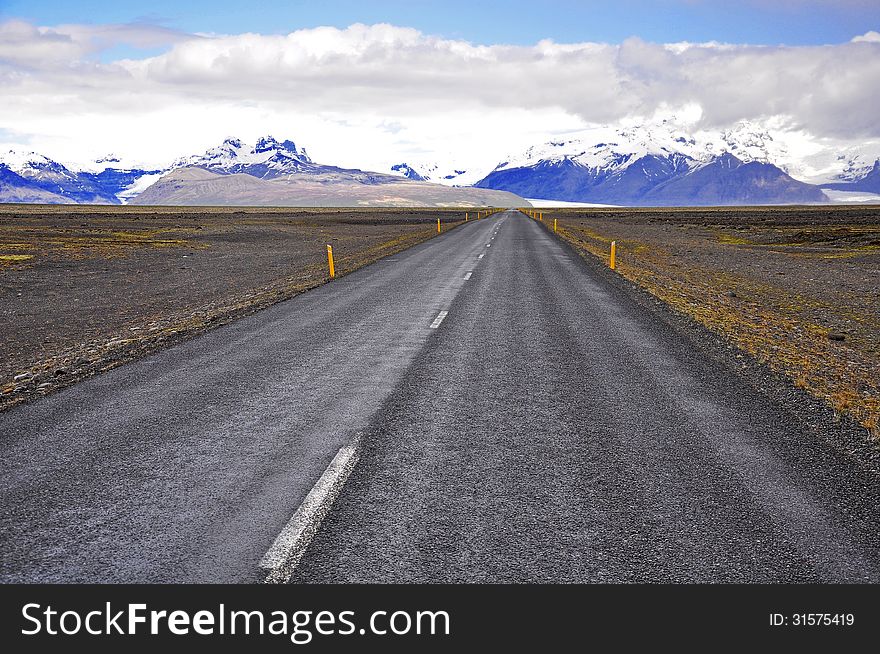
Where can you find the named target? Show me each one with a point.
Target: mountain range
(662, 166)
(647, 165)
(669, 179)
(867, 182)
(271, 172)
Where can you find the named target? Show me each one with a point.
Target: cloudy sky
(370, 84)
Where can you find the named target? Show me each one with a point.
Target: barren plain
(83, 289)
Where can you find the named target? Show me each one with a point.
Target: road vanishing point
(484, 407)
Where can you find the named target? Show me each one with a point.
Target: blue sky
(770, 22)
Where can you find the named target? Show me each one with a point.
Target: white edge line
(438, 319)
(281, 559)
(467, 276)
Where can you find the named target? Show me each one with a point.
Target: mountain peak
(266, 159)
(726, 160)
(646, 166)
(267, 143)
(19, 160)
(407, 171)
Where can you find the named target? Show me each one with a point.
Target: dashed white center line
(438, 319)
(481, 256)
(488, 246)
(287, 550)
(467, 276)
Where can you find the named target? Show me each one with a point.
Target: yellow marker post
(465, 216)
(554, 225)
(613, 261)
(438, 225)
(330, 261)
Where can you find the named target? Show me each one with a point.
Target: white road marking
(467, 276)
(281, 559)
(488, 246)
(481, 256)
(438, 319)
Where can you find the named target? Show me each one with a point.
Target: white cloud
(867, 37)
(370, 95)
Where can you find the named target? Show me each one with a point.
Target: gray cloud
(44, 48)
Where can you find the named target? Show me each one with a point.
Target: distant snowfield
(842, 197)
(852, 197)
(561, 204)
(141, 184)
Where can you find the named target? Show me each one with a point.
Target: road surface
(515, 417)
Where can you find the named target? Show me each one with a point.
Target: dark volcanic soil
(83, 289)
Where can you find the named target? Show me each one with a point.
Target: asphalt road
(186, 465)
(547, 429)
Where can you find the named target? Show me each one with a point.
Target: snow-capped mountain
(609, 148)
(855, 168)
(405, 170)
(865, 179)
(596, 163)
(50, 180)
(107, 180)
(268, 158)
(454, 174)
(280, 174)
(659, 163)
(654, 164)
(816, 161)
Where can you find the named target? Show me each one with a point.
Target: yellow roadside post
(330, 261)
(438, 225)
(554, 225)
(613, 261)
(465, 216)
